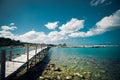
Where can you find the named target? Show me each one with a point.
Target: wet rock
(48, 68)
(58, 77)
(88, 72)
(41, 77)
(45, 72)
(51, 65)
(52, 69)
(79, 75)
(81, 68)
(57, 69)
(69, 78)
(65, 66)
(103, 71)
(84, 72)
(92, 61)
(47, 78)
(97, 75)
(96, 67)
(76, 74)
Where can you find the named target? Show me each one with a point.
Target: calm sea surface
(93, 63)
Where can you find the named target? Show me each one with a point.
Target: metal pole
(2, 64)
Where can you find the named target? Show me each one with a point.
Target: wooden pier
(20, 65)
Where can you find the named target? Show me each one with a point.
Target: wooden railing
(26, 66)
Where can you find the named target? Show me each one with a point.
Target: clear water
(93, 63)
(16, 51)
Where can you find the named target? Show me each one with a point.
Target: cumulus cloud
(56, 36)
(6, 31)
(12, 24)
(112, 21)
(72, 26)
(106, 24)
(6, 34)
(52, 25)
(41, 37)
(68, 30)
(96, 2)
(33, 36)
(8, 28)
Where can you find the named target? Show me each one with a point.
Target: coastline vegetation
(9, 42)
(6, 42)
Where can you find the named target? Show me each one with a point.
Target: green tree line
(8, 42)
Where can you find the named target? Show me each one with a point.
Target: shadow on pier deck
(35, 70)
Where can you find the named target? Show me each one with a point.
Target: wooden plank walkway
(12, 66)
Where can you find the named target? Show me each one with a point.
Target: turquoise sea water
(93, 63)
(16, 51)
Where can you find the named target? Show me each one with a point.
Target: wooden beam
(11, 53)
(35, 53)
(27, 51)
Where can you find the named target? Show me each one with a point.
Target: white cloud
(108, 3)
(56, 36)
(8, 27)
(77, 34)
(6, 31)
(106, 24)
(69, 30)
(96, 2)
(72, 26)
(112, 21)
(52, 25)
(12, 24)
(41, 37)
(33, 36)
(6, 34)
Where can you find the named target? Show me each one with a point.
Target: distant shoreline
(88, 46)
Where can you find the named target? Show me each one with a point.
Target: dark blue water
(100, 63)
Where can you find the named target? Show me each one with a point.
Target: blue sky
(74, 22)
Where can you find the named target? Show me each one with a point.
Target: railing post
(2, 64)
(40, 53)
(11, 52)
(27, 51)
(35, 53)
(41, 46)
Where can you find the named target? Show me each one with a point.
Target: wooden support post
(41, 46)
(39, 56)
(36, 53)
(11, 53)
(27, 51)
(2, 64)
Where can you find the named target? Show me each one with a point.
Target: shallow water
(92, 63)
(16, 51)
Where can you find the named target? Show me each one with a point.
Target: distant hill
(8, 42)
